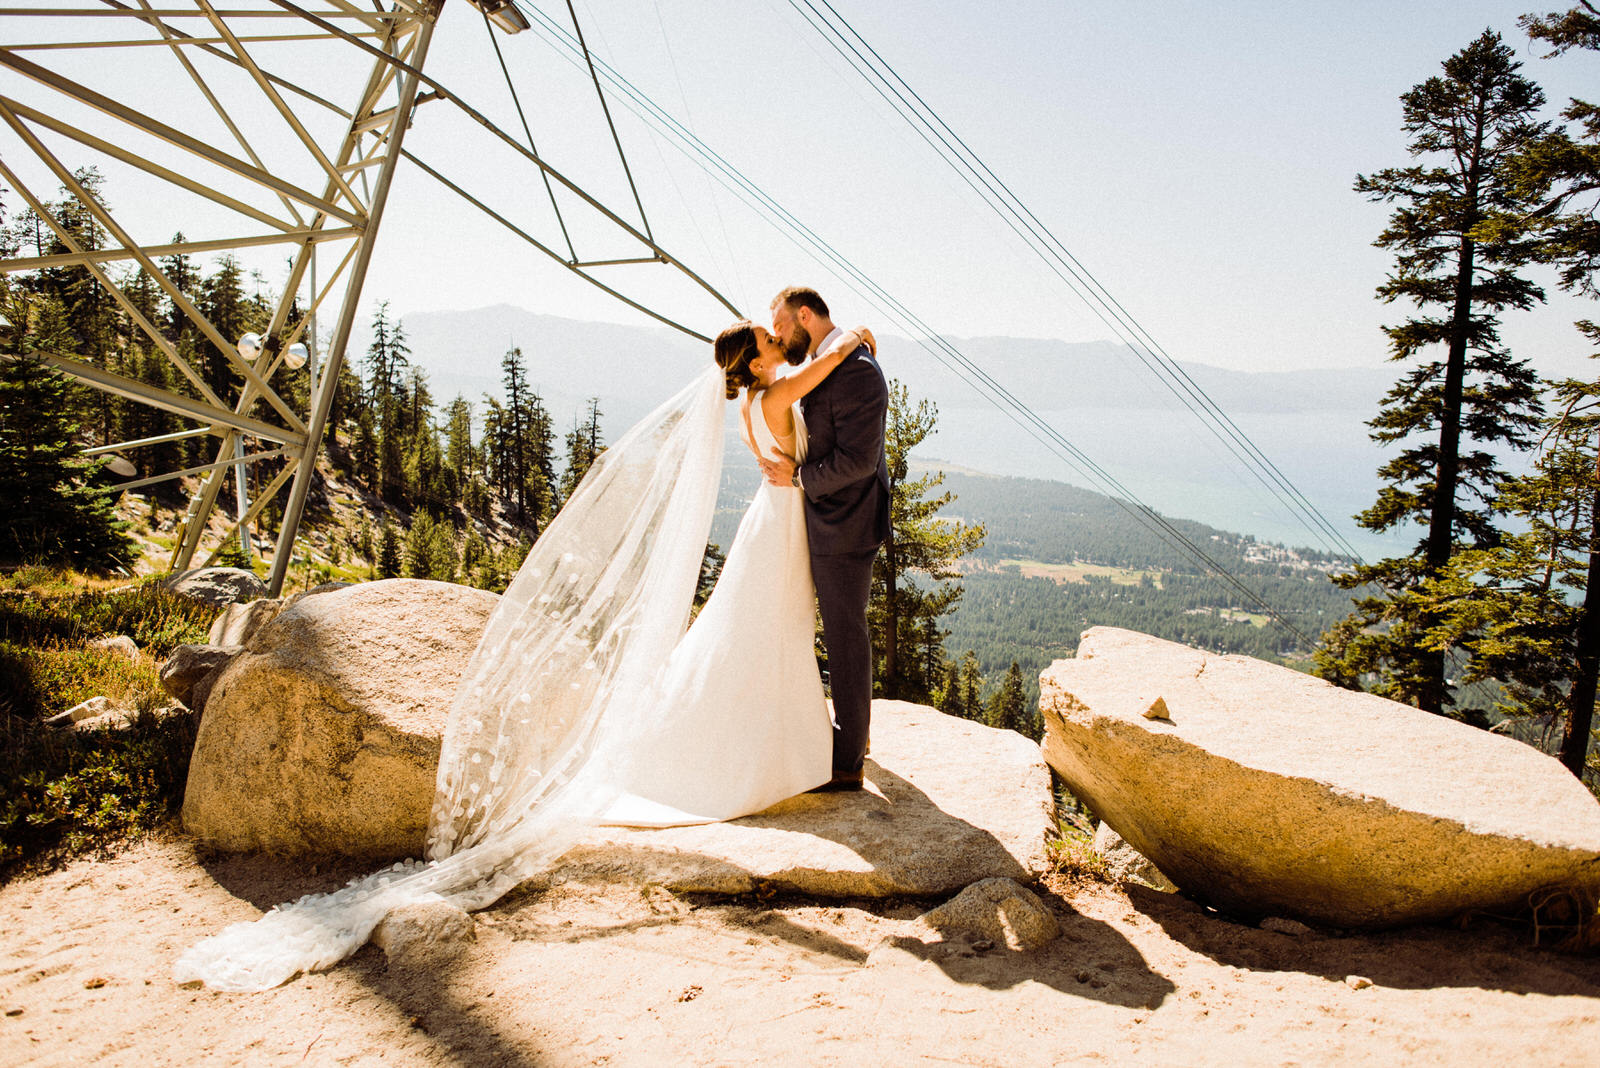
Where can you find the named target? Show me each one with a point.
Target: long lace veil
(538, 740)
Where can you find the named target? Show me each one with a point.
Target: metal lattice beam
(276, 208)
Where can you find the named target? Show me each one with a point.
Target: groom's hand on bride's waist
(781, 470)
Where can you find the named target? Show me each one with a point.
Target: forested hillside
(1059, 560)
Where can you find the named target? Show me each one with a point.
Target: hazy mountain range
(1097, 395)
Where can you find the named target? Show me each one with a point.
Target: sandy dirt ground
(635, 975)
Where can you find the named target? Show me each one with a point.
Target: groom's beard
(795, 349)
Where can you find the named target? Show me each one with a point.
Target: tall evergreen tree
(1529, 609)
(1466, 127)
(460, 458)
(222, 301)
(514, 379)
(53, 512)
(584, 445)
(390, 550)
(1008, 707)
(904, 616)
(388, 360)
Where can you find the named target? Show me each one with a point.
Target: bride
(746, 724)
(585, 702)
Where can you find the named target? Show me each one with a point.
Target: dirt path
(623, 975)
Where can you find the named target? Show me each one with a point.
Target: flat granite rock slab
(948, 802)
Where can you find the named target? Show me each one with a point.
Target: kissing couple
(587, 703)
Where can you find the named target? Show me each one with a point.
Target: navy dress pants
(844, 583)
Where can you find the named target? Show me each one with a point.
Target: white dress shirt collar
(822, 345)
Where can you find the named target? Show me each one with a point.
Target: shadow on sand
(1488, 955)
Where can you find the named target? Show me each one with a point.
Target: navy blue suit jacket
(845, 476)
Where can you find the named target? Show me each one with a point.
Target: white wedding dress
(585, 702)
(744, 722)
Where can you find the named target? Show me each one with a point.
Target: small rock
(189, 664)
(1357, 982)
(120, 644)
(425, 932)
(112, 719)
(94, 706)
(999, 910)
(1285, 926)
(94, 984)
(1126, 863)
(1158, 710)
(239, 621)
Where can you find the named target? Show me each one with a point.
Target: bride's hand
(867, 339)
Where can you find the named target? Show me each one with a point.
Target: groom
(846, 483)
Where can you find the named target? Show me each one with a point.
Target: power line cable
(517, 100)
(1014, 212)
(939, 347)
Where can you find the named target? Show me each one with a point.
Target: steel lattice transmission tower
(269, 122)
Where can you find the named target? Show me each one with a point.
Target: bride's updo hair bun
(735, 347)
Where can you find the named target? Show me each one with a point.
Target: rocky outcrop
(999, 910)
(948, 802)
(322, 736)
(217, 585)
(1269, 792)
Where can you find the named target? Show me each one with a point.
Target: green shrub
(64, 793)
(154, 617)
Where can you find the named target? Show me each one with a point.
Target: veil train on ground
(537, 742)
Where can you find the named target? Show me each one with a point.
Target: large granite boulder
(948, 802)
(1266, 791)
(322, 736)
(217, 585)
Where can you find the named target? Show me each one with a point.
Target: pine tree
(514, 379)
(388, 359)
(1008, 707)
(53, 513)
(971, 688)
(477, 564)
(460, 459)
(430, 549)
(389, 550)
(222, 301)
(584, 445)
(181, 272)
(903, 616)
(1529, 609)
(950, 697)
(1467, 125)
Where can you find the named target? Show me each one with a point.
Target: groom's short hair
(802, 297)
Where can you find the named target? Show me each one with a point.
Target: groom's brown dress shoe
(842, 782)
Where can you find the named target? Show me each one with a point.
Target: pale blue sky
(1197, 157)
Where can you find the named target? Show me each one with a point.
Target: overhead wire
(516, 99)
(616, 140)
(937, 345)
(1019, 218)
